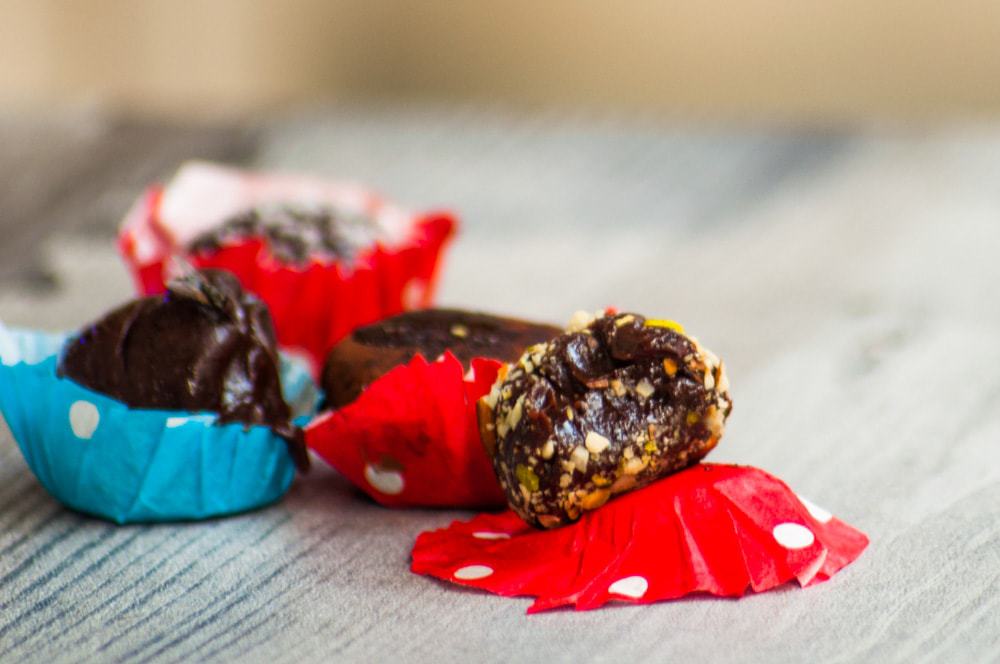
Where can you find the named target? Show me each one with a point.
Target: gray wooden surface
(848, 279)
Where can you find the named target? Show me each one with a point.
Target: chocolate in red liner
(374, 350)
(204, 345)
(325, 257)
(404, 429)
(295, 234)
(718, 529)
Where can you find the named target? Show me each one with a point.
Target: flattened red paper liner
(411, 438)
(713, 528)
(313, 306)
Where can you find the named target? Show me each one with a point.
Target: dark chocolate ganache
(205, 345)
(374, 350)
(608, 407)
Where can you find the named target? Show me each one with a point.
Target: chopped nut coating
(610, 406)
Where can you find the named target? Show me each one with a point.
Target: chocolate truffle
(612, 405)
(204, 345)
(374, 350)
(296, 233)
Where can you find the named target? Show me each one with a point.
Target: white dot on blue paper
(83, 419)
(181, 420)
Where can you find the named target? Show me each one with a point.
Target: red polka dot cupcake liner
(411, 439)
(313, 305)
(718, 529)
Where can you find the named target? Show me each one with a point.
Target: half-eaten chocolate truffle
(612, 405)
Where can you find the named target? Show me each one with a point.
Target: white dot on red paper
(413, 294)
(815, 511)
(483, 534)
(389, 482)
(83, 419)
(631, 586)
(793, 535)
(144, 248)
(473, 572)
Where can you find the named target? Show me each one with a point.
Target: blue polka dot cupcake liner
(127, 465)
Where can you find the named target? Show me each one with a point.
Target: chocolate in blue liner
(205, 345)
(98, 455)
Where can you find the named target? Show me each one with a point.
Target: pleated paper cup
(717, 529)
(96, 455)
(314, 305)
(411, 438)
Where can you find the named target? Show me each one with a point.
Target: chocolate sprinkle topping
(295, 234)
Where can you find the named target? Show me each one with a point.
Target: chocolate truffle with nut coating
(612, 405)
(374, 350)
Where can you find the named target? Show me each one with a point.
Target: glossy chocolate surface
(205, 345)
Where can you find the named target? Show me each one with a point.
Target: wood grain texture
(78, 172)
(847, 280)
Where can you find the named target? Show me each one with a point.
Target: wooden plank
(847, 282)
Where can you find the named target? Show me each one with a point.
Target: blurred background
(755, 60)
(678, 157)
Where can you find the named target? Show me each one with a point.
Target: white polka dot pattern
(815, 511)
(84, 419)
(631, 586)
(413, 294)
(144, 248)
(482, 534)
(793, 535)
(181, 420)
(388, 482)
(473, 572)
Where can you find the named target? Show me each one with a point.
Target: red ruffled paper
(313, 306)
(411, 439)
(713, 528)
